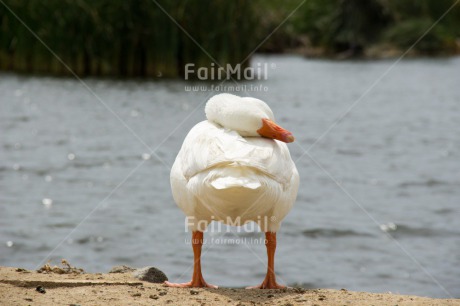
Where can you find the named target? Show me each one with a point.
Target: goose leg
(197, 278)
(270, 279)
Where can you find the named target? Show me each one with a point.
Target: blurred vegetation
(123, 38)
(343, 25)
(136, 38)
(352, 26)
(411, 19)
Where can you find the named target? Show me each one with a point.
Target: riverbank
(373, 52)
(23, 287)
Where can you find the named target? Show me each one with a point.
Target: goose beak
(272, 130)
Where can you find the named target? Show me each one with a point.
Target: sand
(19, 287)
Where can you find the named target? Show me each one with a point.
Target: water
(75, 182)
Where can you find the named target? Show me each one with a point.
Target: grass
(124, 38)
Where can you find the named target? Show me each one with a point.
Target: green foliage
(124, 38)
(411, 19)
(277, 23)
(339, 25)
(405, 33)
(137, 38)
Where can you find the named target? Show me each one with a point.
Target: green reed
(124, 38)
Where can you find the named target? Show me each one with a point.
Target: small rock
(300, 290)
(194, 292)
(21, 270)
(270, 295)
(121, 269)
(40, 289)
(163, 293)
(136, 294)
(150, 274)
(28, 299)
(153, 296)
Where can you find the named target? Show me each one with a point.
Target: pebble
(40, 289)
(153, 296)
(150, 274)
(163, 293)
(194, 292)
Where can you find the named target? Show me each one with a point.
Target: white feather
(219, 174)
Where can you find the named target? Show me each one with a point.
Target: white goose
(231, 169)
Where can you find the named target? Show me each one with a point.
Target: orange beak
(272, 130)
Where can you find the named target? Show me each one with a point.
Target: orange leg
(197, 278)
(270, 279)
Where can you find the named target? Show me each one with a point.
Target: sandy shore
(19, 287)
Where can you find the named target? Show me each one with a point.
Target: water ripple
(332, 233)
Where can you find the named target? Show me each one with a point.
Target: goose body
(221, 176)
(232, 169)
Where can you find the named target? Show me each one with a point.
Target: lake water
(396, 155)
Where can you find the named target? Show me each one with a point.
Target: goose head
(247, 116)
